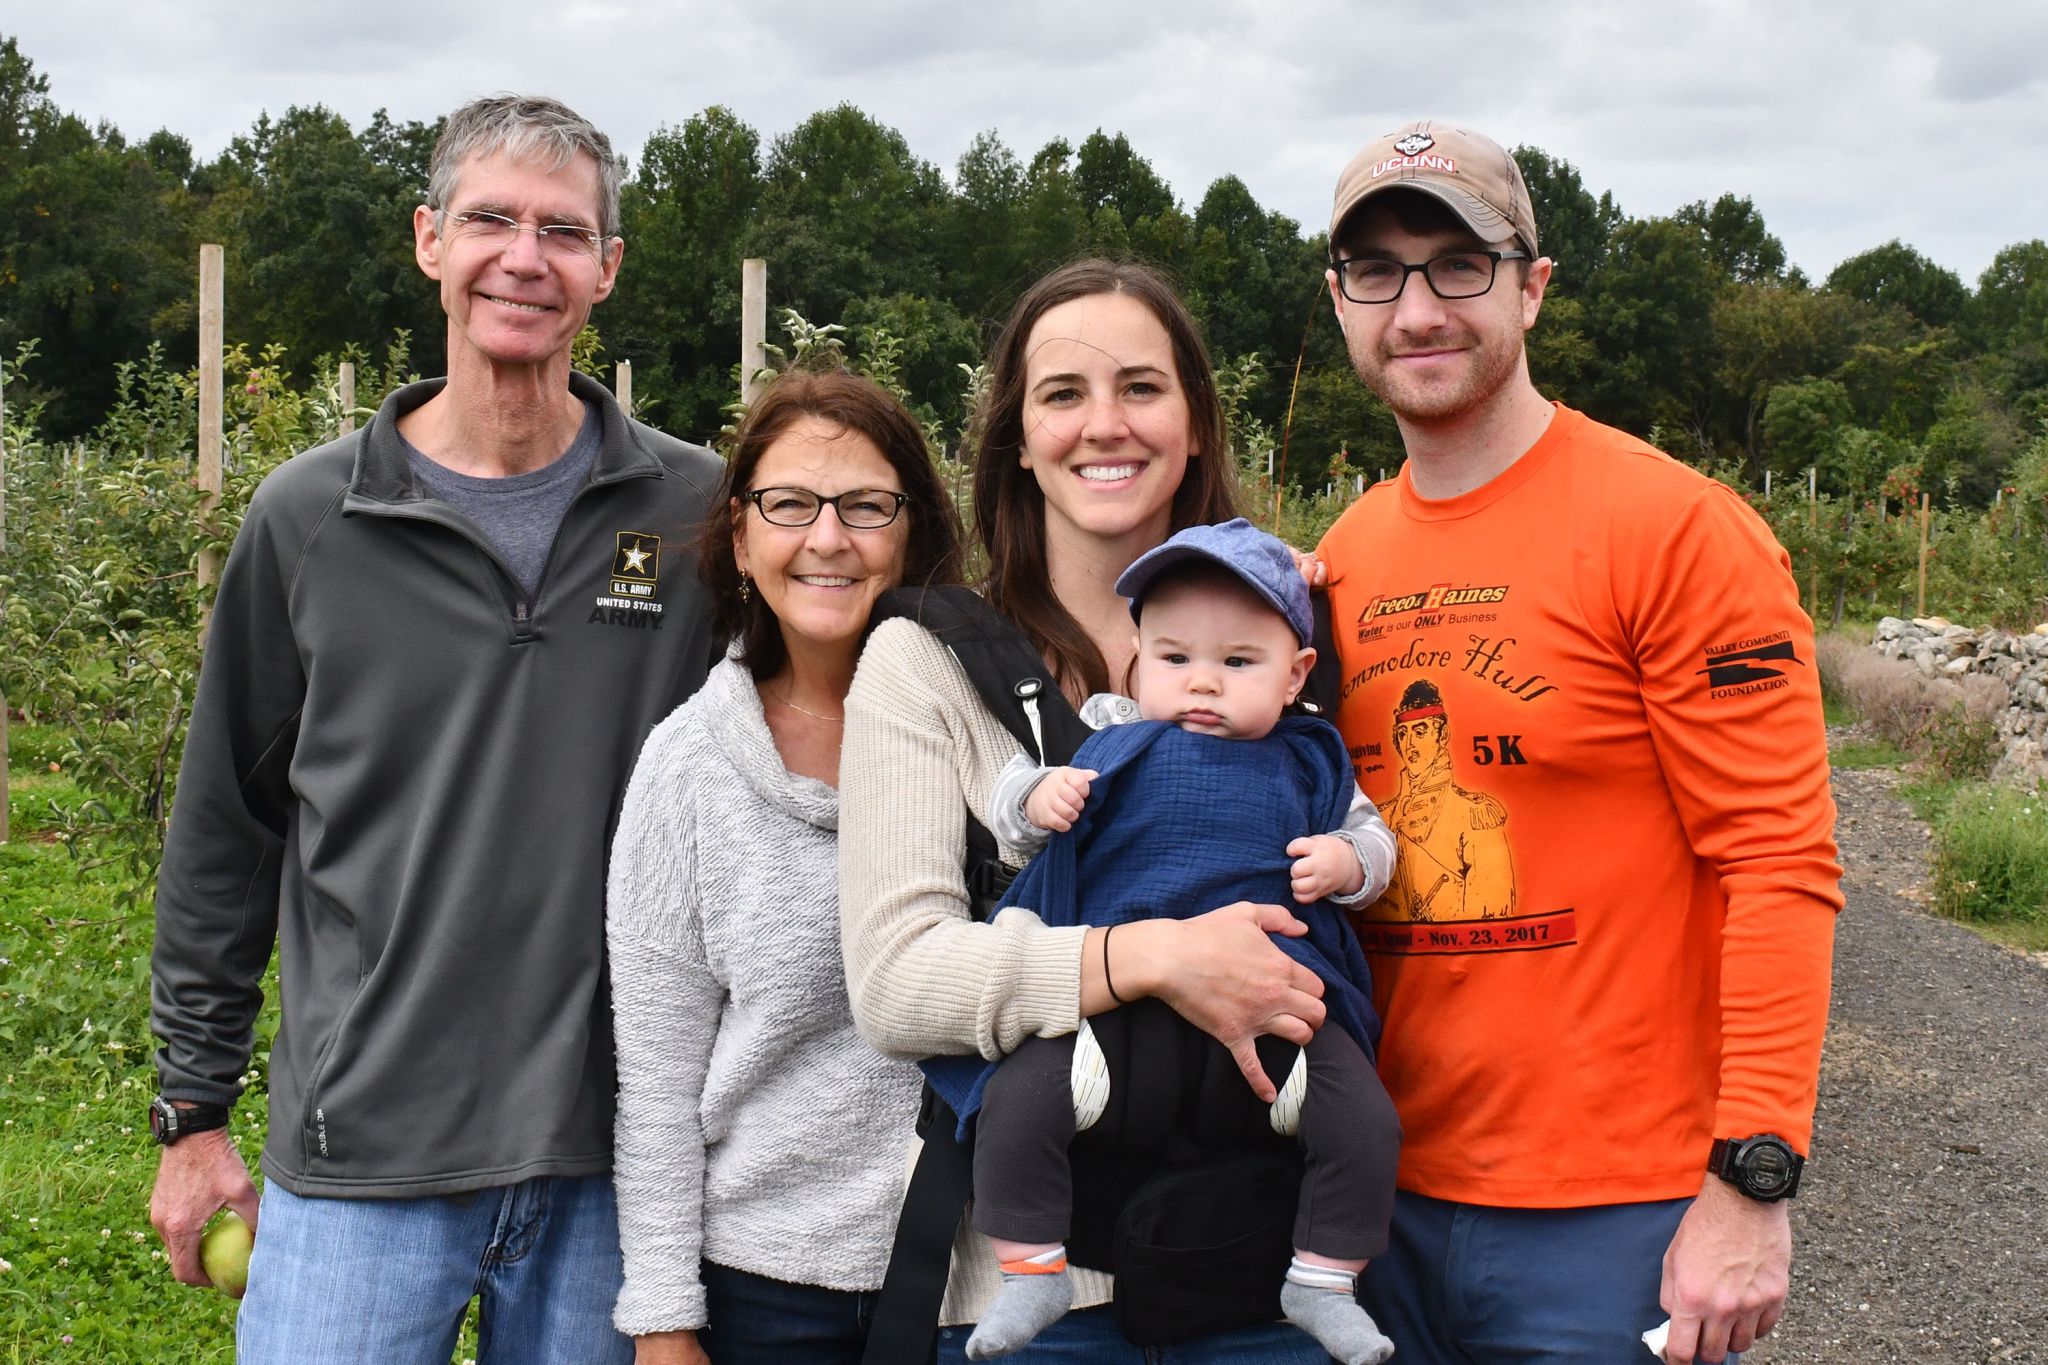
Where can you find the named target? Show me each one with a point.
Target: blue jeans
(340, 1281)
(1089, 1336)
(1464, 1284)
(755, 1320)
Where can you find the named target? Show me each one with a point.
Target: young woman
(760, 1142)
(1101, 436)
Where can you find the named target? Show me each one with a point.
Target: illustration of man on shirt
(1455, 861)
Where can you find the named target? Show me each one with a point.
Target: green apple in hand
(224, 1254)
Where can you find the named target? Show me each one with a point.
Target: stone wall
(1941, 649)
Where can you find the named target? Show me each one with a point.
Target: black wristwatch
(168, 1123)
(1763, 1167)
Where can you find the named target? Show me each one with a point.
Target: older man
(1606, 1076)
(437, 647)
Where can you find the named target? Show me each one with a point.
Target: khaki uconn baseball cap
(1468, 171)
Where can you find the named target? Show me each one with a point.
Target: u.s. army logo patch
(636, 567)
(636, 573)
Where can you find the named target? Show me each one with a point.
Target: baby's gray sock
(1026, 1305)
(1314, 1302)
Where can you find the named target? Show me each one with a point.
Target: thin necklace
(804, 710)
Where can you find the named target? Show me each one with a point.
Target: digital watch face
(1767, 1170)
(163, 1119)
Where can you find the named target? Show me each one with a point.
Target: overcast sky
(1848, 123)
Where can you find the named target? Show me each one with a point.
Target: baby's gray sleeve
(1373, 842)
(1006, 818)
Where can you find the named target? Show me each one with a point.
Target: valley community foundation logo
(1745, 667)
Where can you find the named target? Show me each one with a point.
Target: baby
(1157, 815)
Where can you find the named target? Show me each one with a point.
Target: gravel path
(1922, 1230)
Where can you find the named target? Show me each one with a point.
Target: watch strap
(170, 1122)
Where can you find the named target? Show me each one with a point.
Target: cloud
(1986, 58)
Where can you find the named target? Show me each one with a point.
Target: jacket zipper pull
(1027, 692)
(519, 614)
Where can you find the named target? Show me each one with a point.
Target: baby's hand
(1324, 866)
(1055, 803)
(1313, 571)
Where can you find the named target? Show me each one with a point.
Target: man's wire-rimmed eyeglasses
(1453, 275)
(859, 509)
(557, 239)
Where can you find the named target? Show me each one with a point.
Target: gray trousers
(1350, 1139)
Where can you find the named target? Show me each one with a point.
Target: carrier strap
(1326, 676)
(1009, 676)
(905, 1326)
(1018, 690)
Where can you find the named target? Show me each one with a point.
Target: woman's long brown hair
(1009, 509)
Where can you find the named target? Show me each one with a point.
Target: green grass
(84, 1278)
(1990, 857)
(1930, 797)
(1866, 753)
(2028, 936)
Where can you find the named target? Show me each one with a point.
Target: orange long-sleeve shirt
(1584, 698)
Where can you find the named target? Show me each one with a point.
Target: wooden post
(622, 386)
(206, 474)
(3, 550)
(1842, 583)
(1767, 485)
(753, 325)
(1920, 600)
(1813, 524)
(346, 382)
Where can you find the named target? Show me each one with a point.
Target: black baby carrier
(1182, 1190)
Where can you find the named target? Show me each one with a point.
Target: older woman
(760, 1141)
(1102, 435)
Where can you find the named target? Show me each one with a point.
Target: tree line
(1890, 376)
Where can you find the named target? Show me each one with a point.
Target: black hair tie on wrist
(1106, 979)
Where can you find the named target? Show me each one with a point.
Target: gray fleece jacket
(402, 771)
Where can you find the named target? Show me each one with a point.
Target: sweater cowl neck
(731, 709)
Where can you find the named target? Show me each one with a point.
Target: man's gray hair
(524, 127)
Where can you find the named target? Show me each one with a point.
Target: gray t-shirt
(518, 514)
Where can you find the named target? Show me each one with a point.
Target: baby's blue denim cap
(1261, 560)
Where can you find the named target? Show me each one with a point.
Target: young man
(438, 645)
(1605, 975)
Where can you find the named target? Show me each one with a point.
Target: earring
(746, 587)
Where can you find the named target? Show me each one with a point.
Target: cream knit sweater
(755, 1127)
(924, 977)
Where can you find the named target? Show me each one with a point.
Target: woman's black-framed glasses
(1453, 275)
(859, 509)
